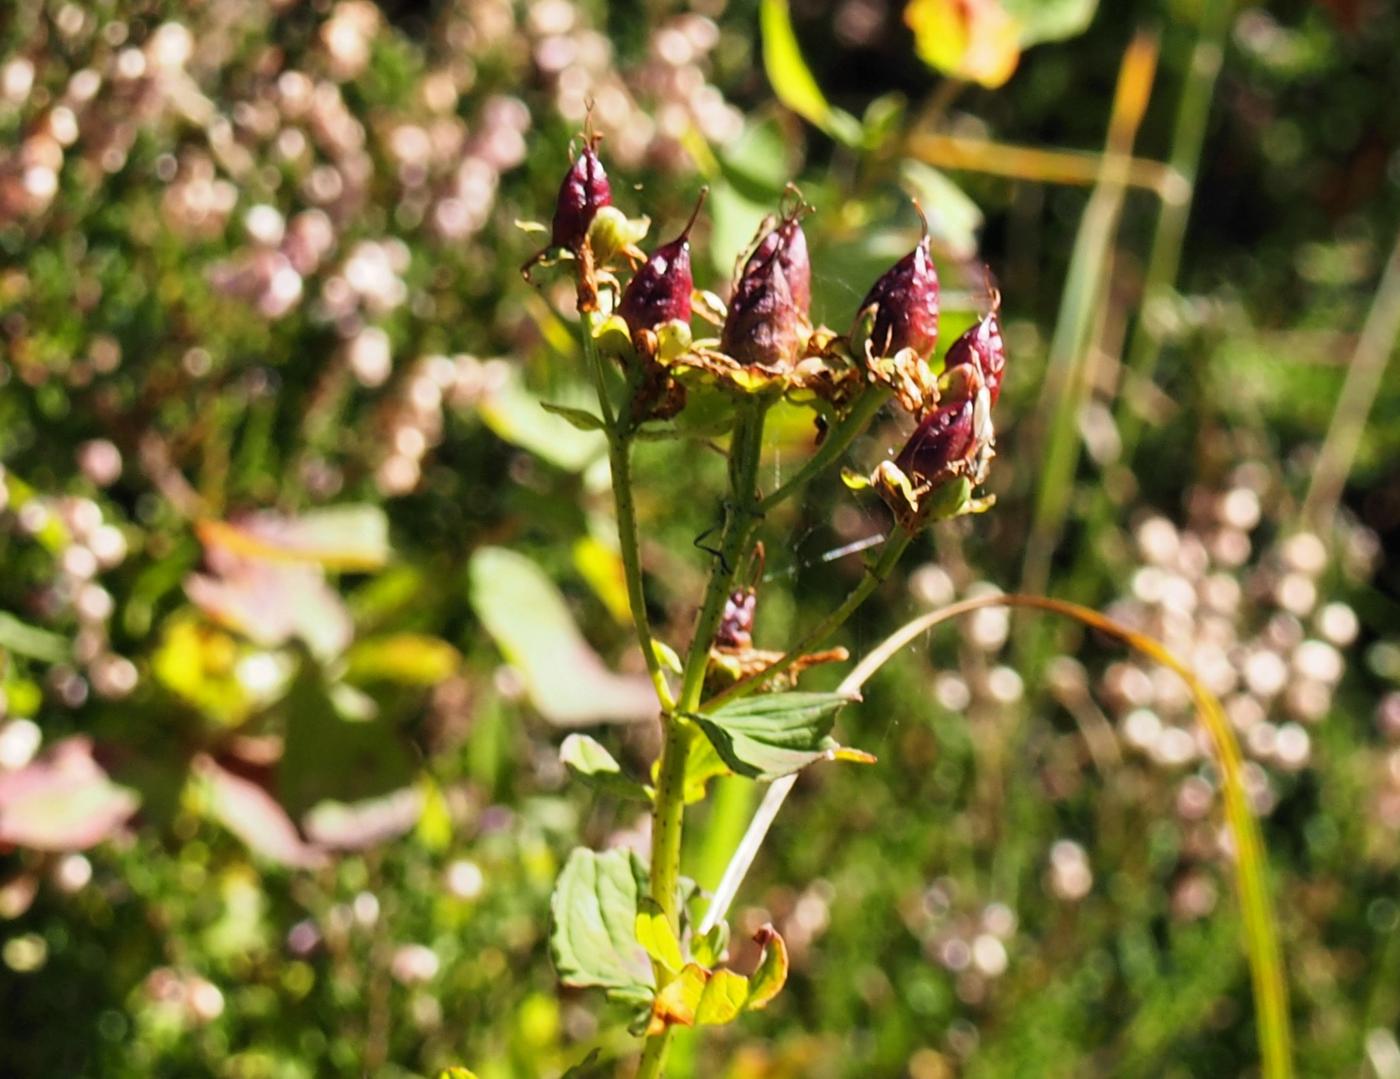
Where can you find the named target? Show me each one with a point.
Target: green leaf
(587, 758)
(1051, 20)
(775, 734)
(953, 218)
(593, 938)
(578, 417)
(328, 757)
(666, 656)
(710, 949)
(590, 1067)
(654, 933)
(26, 640)
(702, 764)
(567, 681)
(723, 998)
(514, 414)
(792, 79)
(770, 977)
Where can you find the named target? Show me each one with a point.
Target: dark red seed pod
(982, 346)
(661, 289)
(583, 193)
(763, 326)
(945, 439)
(769, 307)
(905, 299)
(797, 267)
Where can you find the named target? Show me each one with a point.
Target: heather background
(272, 816)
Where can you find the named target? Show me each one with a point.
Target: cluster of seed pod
(768, 344)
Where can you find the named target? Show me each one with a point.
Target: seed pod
(584, 191)
(768, 311)
(905, 305)
(797, 267)
(982, 347)
(942, 443)
(660, 290)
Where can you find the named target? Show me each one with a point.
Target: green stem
(620, 461)
(620, 464)
(837, 441)
(741, 520)
(1169, 237)
(875, 575)
(654, 1056)
(668, 810)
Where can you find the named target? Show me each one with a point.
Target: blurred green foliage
(258, 259)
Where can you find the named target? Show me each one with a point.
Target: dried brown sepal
(727, 667)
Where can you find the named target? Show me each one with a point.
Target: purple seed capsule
(661, 289)
(981, 345)
(945, 439)
(583, 193)
(768, 311)
(905, 300)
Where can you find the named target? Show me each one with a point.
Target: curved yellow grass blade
(1256, 907)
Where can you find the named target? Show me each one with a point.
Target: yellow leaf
(977, 40)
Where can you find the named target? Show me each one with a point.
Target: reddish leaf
(63, 801)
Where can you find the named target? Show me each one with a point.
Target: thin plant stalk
(1040, 165)
(837, 441)
(668, 811)
(629, 545)
(1168, 238)
(1368, 363)
(1068, 371)
(1251, 870)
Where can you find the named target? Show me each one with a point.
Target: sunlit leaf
(1051, 20)
(271, 602)
(593, 938)
(775, 734)
(702, 764)
(580, 418)
(710, 948)
(977, 40)
(698, 997)
(768, 980)
(953, 218)
(654, 933)
(792, 79)
(410, 659)
(601, 566)
(516, 415)
(588, 759)
(62, 801)
(350, 537)
(364, 824)
(567, 682)
(250, 812)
